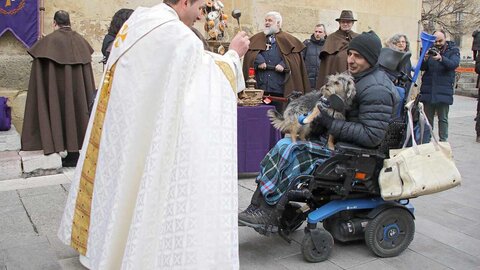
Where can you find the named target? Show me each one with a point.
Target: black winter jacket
(311, 55)
(375, 105)
(439, 77)
(476, 40)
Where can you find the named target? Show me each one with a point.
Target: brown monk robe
(61, 88)
(334, 55)
(290, 48)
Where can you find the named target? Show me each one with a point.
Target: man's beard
(271, 30)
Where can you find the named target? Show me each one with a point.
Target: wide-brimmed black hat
(346, 15)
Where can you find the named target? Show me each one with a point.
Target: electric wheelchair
(344, 195)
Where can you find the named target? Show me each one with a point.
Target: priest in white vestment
(156, 183)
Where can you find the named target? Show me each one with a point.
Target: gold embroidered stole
(229, 74)
(81, 218)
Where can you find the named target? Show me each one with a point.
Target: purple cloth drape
(21, 18)
(256, 136)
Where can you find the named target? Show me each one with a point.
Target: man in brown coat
(276, 57)
(334, 54)
(59, 93)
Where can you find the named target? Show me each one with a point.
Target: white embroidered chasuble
(165, 187)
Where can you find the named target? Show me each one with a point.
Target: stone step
(468, 92)
(467, 85)
(9, 140)
(35, 160)
(10, 165)
(465, 79)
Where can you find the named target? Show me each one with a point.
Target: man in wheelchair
(375, 106)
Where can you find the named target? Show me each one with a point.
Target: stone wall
(91, 19)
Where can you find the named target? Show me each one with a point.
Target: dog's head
(341, 84)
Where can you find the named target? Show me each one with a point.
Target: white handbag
(418, 170)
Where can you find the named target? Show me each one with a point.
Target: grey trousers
(441, 109)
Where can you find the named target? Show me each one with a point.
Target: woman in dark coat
(117, 22)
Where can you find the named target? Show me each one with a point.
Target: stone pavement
(447, 224)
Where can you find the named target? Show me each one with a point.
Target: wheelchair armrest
(348, 148)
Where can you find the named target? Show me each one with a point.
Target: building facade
(91, 19)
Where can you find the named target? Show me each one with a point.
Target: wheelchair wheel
(310, 251)
(390, 233)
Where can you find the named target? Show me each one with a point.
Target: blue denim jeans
(441, 109)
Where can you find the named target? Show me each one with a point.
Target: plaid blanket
(284, 162)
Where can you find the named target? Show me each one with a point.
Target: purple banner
(21, 18)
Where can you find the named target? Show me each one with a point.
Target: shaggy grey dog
(306, 105)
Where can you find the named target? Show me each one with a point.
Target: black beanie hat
(367, 44)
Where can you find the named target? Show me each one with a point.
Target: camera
(433, 51)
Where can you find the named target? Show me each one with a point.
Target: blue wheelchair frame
(334, 207)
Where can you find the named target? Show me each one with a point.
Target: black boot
(259, 213)
(70, 160)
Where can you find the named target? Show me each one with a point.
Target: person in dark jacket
(477, 118)
(438, 81)
(375, 105)
(120, 17)
(476, 44)
(311, 54)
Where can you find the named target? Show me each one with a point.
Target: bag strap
(421, 123)
(409, 133)
(423, 120)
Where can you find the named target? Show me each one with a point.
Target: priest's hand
(240, 43)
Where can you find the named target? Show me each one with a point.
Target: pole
(41, 8)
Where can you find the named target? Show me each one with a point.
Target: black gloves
(324, 119)
(320, 124)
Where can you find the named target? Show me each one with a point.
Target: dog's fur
(340, 84)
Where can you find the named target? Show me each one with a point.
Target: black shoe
(255, 216)
(478, 139)
(70, 160)
(249, 209)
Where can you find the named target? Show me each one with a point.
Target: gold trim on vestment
(81, 217)
(228, 71)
